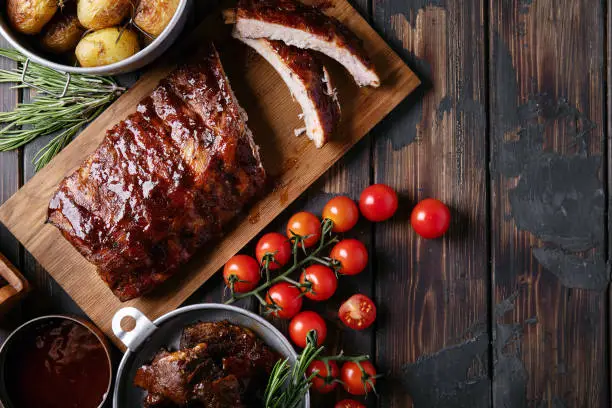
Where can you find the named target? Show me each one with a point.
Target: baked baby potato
(30, 16)
(153, 16)
(97, 14)
(62, 34)
(107, 46)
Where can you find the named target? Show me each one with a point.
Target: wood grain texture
(433, 293)
(547, 133)
(292, 162)
(9, 166)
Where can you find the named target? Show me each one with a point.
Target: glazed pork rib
(309, 83)
(163, 182)
(307, 27)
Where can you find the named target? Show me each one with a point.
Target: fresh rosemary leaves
(85, 98)
(288, 386)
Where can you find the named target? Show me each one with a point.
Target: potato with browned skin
(153, 16)
(107, 46)
(98, 14)
(30, 16)
(62, 34)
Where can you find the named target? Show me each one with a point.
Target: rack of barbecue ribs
(163, 182)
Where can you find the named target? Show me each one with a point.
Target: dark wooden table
(511, 308)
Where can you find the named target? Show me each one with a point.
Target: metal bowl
(147, 55)
(146, 338)
(15, 336)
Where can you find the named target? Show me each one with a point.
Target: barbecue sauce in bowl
(56, 363)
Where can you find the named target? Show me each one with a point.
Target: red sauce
(57, 364)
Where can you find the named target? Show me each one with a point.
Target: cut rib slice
(308, 82)
(305, 27)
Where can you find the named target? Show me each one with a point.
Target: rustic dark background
(511, 308)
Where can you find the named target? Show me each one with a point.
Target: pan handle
(142, 330)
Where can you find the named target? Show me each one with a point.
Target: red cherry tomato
(352, 255)
(378, 202)
(322, 280)
(358, 312)
(277, 244)
(343, 212)
(355, 381)
(305, 224)
(430, 218)
(286, 297)
(303, 323)
(243, 270)
(325, 380)
(348, 403)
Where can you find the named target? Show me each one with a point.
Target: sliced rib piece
(163, 182)
(305, 27)
(308, 82)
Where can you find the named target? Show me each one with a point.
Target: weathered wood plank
(548, 202)
(9, 166)
(9, 183)
(608, 55)
(433, 293)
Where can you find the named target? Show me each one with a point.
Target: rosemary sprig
(287, 387)
(85, 98)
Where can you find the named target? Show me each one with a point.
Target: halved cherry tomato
(326, 379)
(430, 218)
(355, 381)
(322, 280)
(349, 403)
(378, 202)
(358, 312)
(352, 255)
(306, 225)
(277, 244)
(343, 212)
(303, 323)
(243, 272)
(286, 297)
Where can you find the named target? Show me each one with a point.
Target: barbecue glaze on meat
(163, 182)
(219, 365)
(307, 27)
(309, 83)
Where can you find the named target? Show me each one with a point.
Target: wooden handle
(17, 284)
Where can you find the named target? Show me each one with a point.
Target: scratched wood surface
(548, 251)
(509, 129)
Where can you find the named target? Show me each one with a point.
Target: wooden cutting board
(292, 162)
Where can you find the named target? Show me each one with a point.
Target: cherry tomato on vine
(325, 381)
(349, 403)
(355, 381)
(343, 212)
(322, 280)
(378, 202)
(352, 255)
(430, 218)
(305, 224)
(277, 244)
(286, 297)
(303, 323)
(358, 312)
(243, 271)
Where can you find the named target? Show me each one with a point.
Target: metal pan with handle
(145, 338)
